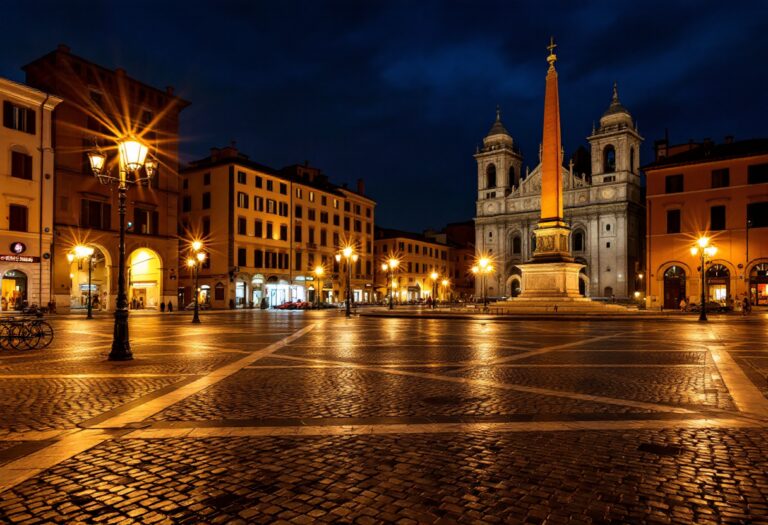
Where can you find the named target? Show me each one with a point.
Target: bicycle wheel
(46, 333)
(5, 336)
(24, 337)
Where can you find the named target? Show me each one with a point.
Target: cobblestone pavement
(304, 417)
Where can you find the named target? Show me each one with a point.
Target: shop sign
(19, 258)
(18, 248)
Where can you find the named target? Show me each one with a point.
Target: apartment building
(99, 106)
(718, 191)
(418, 258)
(26, 195)
(266, 232)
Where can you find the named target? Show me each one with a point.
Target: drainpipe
(42, 203)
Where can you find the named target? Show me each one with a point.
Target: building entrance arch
(100, 280)
(145, 279)
(674, 287)
(14, 290)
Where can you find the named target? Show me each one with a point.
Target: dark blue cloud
(399, 93)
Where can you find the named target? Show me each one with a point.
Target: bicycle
(25, 334)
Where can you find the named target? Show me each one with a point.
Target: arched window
(516, 245)
(490, 176)
(609, 159)
(578, 241)
(512, 181)
(632, 159)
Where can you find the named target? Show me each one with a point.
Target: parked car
(200, 306)
(712, 306)
(294, 305)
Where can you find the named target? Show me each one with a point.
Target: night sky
(400, 93)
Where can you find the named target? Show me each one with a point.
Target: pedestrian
(683, 304)
(170, 306)
(141, 303)
(162, 306)
(746, 307)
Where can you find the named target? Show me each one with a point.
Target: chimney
(360, 186)
(729, 139)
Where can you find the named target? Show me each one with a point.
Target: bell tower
(615, 145)
(498, 163)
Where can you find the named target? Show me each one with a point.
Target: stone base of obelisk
(550, 280)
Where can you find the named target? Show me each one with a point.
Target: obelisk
(551, 273)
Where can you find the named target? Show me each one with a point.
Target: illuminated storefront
(14, 290)
(78, 274)
(144, 279)
(758, 283)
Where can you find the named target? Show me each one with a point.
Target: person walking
(162, 306)
(170, 306)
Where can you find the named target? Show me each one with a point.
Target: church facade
(603, 205)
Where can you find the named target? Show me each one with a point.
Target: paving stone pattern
(698, 477)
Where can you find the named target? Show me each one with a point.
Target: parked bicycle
(25, 333)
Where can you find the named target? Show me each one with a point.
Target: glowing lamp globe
(132, 154)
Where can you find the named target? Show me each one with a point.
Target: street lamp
(81, 253)
(132, 158)
(434, 276)
(704, 250)
(390, 266)
(445, 284)
(319, 271)
(194, 262)
(483, 268)
(349, 255)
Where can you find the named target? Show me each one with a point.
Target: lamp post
(194, 262)
(434, 276)
(704, 250)
(82, 253)
(132, 157)
(483, 268)
(445, 284)
(390, 266)
(319, 271)
(349, 255)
